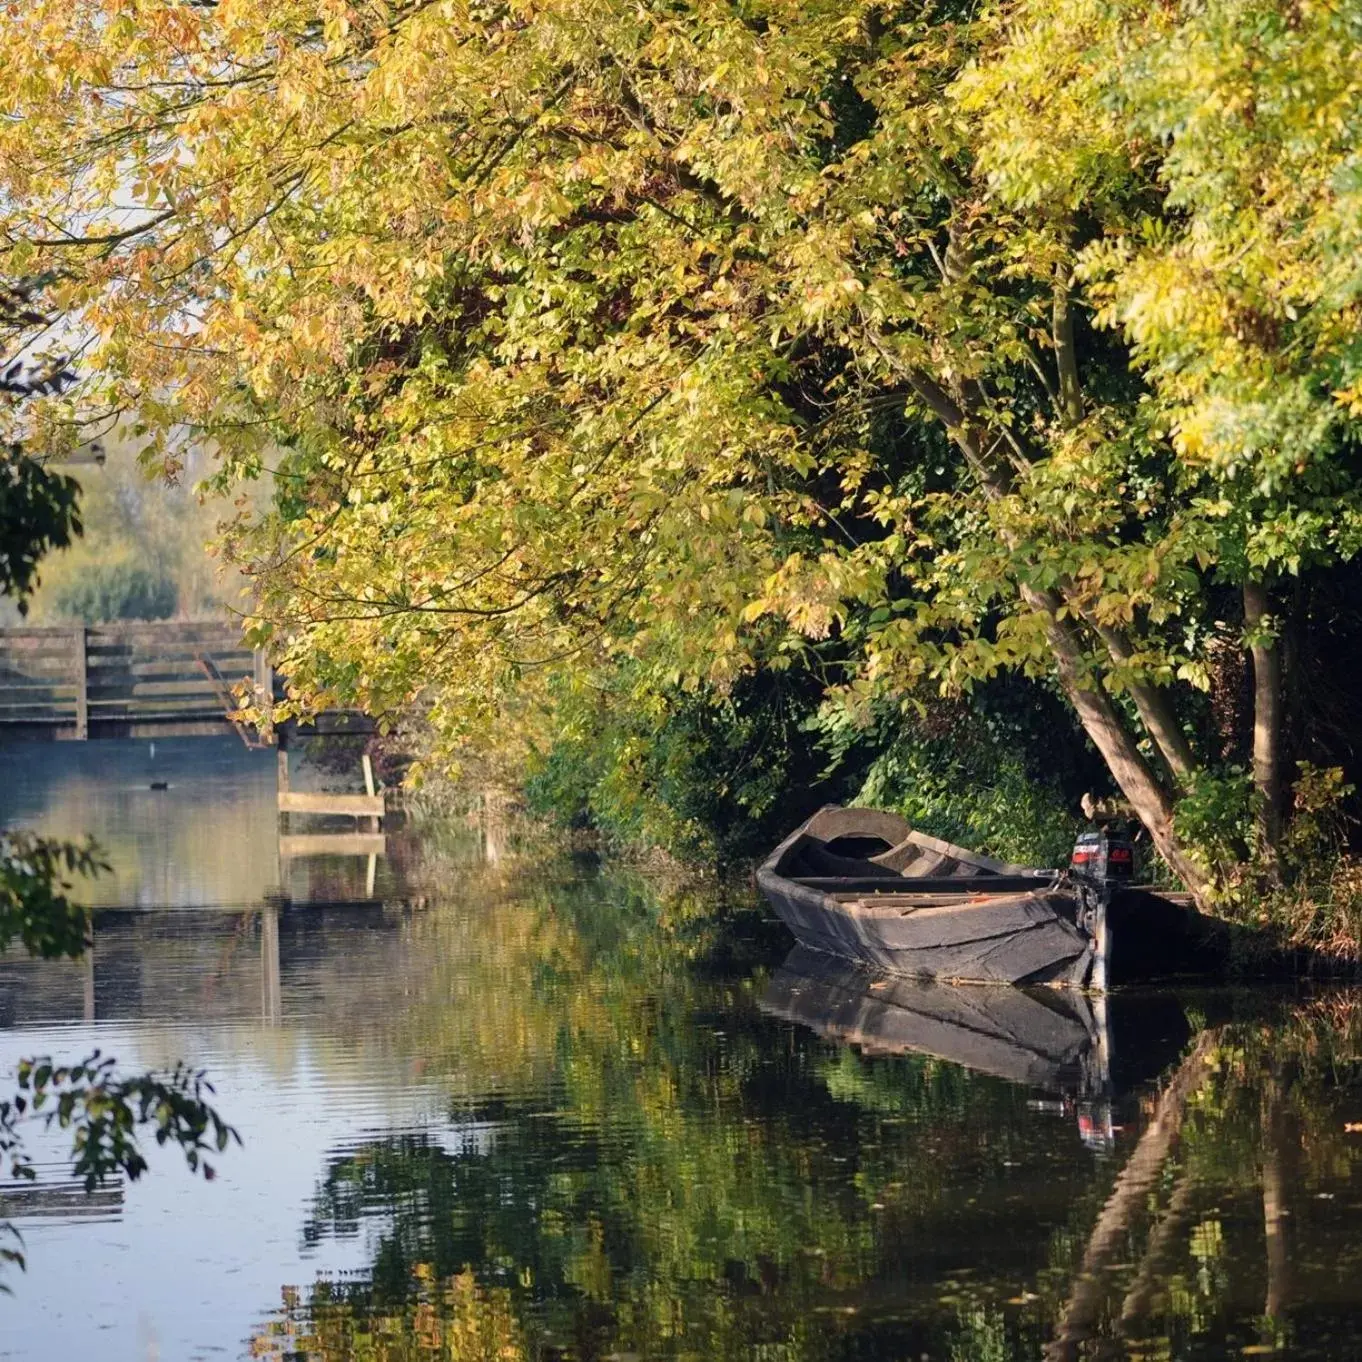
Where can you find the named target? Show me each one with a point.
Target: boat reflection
(1084, 1050)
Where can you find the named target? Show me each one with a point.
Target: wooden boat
(862, 884)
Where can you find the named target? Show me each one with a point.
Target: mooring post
(373, 823)
(281, 757)
(88, 1008)
(81, 669)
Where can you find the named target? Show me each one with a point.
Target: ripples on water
(539, 1111)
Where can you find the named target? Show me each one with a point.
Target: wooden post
(264, 689)
(88, 1000)
(281, 758)
(81, 668)
(373, 823)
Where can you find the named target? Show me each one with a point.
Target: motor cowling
(1101, 855)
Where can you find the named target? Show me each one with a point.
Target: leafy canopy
(913, 342)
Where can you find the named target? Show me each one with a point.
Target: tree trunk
(1129, 1197)
(1164, 1242)
(1167, 737)
(1267, 717)
(1103, 725)
(1066, 355)
(1098, 715)
(1155, 713)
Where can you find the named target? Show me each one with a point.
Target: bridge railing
(122, 677)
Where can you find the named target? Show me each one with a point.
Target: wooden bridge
(167, 678)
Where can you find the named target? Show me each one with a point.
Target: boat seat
(920, 854)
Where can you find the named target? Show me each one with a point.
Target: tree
(102, 1108)
(38, 508)
(1231, 279)
(704, 334)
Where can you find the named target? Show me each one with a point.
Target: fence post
(80, 663)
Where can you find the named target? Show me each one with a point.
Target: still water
(500, 1107)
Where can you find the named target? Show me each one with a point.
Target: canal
(526, 1106)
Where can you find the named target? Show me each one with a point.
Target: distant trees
(141, 553)
(117, 590)
(909, 344)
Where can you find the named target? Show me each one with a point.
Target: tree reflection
(638, 1162)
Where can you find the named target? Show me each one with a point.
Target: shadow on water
(565, 1112)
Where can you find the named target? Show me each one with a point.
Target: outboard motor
(1101, 863)
(1102, 856)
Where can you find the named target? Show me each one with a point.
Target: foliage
(982, 1337)
(141, 553)
(103, 1110)
(715, 336)
(705, 778)
(118, 589)
(38, 513)
(722, 779)
(38, 508)
(637, 1161)
(1216, 817)
(1320, 905)
(999, 809)
(659, 1174)
(1000, 770)
(35, 905)
(455, 1320)
(1310, 893)
(1317, 831)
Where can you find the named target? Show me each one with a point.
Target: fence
(124, 680)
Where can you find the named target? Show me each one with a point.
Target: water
(531, 1109)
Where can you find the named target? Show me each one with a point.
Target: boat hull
(1058, 1040)
(1028, 936)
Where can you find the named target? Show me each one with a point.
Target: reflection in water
(208, 837)
(1049, 1039)
(560, 1114)
(192, 822)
